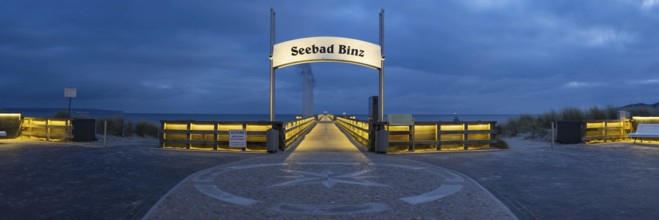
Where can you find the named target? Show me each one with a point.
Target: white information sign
(70, 92)
(327, 49)
(401, 119)
(238, 138)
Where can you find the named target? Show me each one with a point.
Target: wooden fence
(214, 135)
(427, 135)
(604, 130)
(48, 129)
(356, 128)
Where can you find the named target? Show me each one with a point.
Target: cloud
(575, 84)
(649, 4)
(442, 56)
(644, 81)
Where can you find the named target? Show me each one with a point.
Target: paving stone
(326, 176)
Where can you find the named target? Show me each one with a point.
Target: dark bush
(501, 144)
(62, 114)
(115, 126)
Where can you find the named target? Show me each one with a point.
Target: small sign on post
(70, 93)
(237, 138)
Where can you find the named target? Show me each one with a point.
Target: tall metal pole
(272, 70)
(381, 98)
(69, 111)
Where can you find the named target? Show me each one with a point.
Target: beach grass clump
(146, 129)
(572, 114)
(61, 114)
(116, 126)
(500, 143)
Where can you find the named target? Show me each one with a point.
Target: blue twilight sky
(209, 56)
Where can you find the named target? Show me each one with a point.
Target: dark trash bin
(84, 130)
(569, 132)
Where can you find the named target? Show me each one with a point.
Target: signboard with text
(327, 49)
(70, 92)
(238, 138)
(401, 119)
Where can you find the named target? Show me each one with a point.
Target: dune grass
(540, 125)
(118, 126)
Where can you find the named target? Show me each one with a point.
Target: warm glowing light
(458, 127)
(176, 126)
(641, 120)
(10, 115)
(202, 127)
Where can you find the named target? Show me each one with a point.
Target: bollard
(553, 134)
(381, 141)
(272, 141)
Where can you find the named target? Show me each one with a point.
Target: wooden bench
(645, 131)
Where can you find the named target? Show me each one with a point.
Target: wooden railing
(443, 135)
(214, 135)
(603, 130)
(45, 128)
(426, 135)
(297, 128)
(359, 130)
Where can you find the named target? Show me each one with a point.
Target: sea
(157, 117)
(289, 117)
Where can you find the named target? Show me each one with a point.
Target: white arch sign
(327, 49)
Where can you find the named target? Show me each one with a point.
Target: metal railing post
(105, 134)
(553, 134)
(466, 137)
(188, 136)
(216, 139)
(438, 135)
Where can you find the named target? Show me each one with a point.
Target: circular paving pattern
(327, 188)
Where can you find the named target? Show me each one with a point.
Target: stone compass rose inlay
(328, 178)
(206, 183)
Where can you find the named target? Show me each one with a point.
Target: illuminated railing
(359, 130)
(442, 135)
(45, 128)
(426, 135)
(11, 124)
(295, 129)
(603, 130)
(211, 135)
(214, 135)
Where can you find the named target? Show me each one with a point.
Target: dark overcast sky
(480, 56)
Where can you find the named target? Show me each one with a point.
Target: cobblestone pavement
(594, 181)
(326, 176)
(42, 180)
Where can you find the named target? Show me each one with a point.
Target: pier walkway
(327, 176)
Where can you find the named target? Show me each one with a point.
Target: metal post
(69, 111)
(105, 133)
(272, 71)
(381, 92)
(272, 92)
(553, 134)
